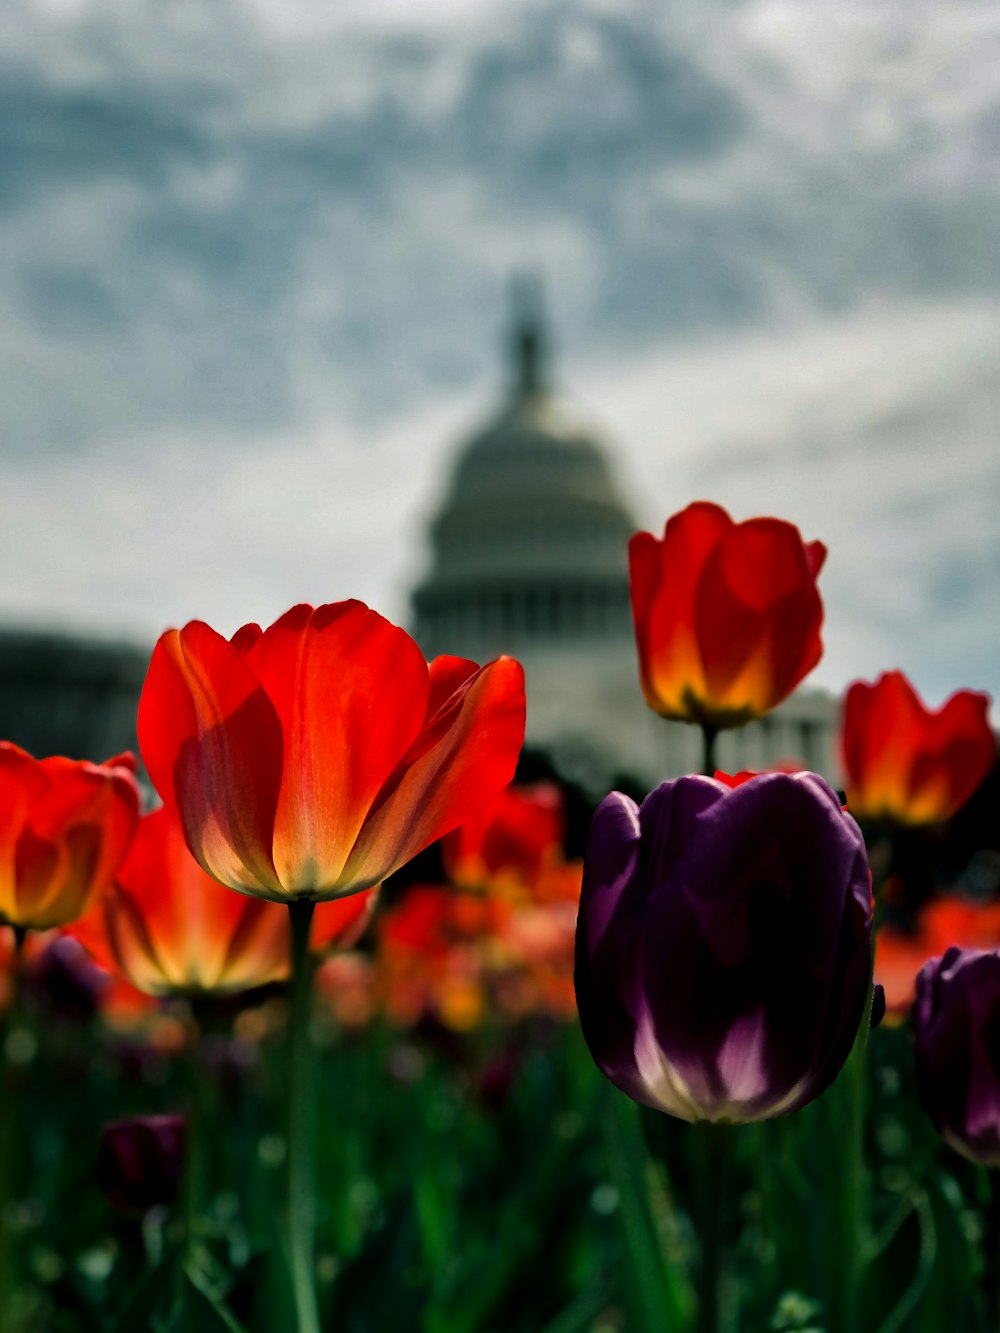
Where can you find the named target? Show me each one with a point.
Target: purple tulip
(723, 950)
(140, 1161)
(956, 1032)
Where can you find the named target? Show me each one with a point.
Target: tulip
(907, 764)
(955, 1021)
(66, 982)
(169, 928)
(307, 762)
(512, 840)
(310, 760)
(724, 944)
(65, 826)
(140, 1161)
(727, 615)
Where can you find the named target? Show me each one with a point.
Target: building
(529, 557)
(69, 694)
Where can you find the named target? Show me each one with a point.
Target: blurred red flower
(510, 841)
(908, 764)
(65, 825)
(312, 759)
(432, 955)
(727, 615)
(943, 922)
(168, 928)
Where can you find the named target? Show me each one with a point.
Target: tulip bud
(955, 1021)
(724, 943)
(140, 1161)
(727, 615)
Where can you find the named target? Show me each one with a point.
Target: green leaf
(658, 1294)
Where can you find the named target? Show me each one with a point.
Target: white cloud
(252, 253)
(876, 433)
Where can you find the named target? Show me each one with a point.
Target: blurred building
(529, 557)
(67, 694)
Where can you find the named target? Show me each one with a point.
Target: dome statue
(530, 546)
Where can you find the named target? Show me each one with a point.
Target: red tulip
(312, 759)
(65, 825)
(513, 838)
(908, 764)
(727, 615)
(168, 928)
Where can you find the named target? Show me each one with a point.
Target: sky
(254, 257)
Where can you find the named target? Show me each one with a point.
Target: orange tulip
(65, 825)
(509, 841)
(312, 759)
(168, 928)
(727, 615)
(907, 764)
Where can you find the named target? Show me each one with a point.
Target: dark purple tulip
(65, 980)
(723, 950)
(956, 1034)
(140, 1161)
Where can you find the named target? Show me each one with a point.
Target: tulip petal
(21, 782)
(758, 616)
(89, 814)
(608, 985)
(955, 1021)
(664, 578)
(212, 744)
(351, 691)
(743, 941)
(341, 922)
(466, 753)
(170, 928)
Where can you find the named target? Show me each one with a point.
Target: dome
(530, 545)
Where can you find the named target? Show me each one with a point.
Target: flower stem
(709, 735)
(991, 1252)
(851, 1203)
(299, 1160)
(715, 1145)
(195, 1156)
(10, 1128)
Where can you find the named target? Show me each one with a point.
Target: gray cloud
(251, 259)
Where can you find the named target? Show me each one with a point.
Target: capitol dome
(529, 556)
(530, 546)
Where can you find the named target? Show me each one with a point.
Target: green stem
(299, 1160)
(852, 1201)
(709, 763)
(9, 1125)
(991, 1252)
(715, 1143)
(195, 1155)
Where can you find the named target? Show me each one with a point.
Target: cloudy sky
(253, 259)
